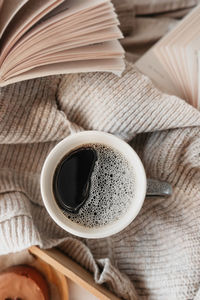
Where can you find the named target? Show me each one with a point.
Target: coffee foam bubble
(112, 189)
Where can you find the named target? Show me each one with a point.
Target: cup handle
(156, 188)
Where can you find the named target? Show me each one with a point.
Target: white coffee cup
(73, 142)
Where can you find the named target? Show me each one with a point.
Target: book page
(177, 58)
(66, 46)
(180, 28)
(71, 14)
(88, 28)
(81, 40)
(149, 65)
(27, 16)
(191, 60)
(105, 50)
(184, 54)
(198, 101)
(174, 35)
(8, 9)
(59, 26)
(115, 65)
(71, 7)
(85, 22)
(171, 56)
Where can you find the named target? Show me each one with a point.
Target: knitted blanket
(157, 255)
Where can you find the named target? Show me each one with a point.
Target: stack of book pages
(174, 62)
(46, 37)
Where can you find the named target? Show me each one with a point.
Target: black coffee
(71, 182)
(94, 185)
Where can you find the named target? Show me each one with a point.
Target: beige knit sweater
(158, 255)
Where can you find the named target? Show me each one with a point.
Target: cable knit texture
(157, 255)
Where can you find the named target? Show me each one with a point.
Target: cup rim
(46, 180)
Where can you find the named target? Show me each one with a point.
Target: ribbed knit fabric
(157, 255)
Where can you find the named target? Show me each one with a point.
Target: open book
(46, 37)
(173, 63)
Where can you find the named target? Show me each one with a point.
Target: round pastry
(23, 283)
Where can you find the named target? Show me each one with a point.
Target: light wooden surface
(73, 271)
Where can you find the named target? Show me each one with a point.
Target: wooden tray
(54, 278)
(64, 265)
